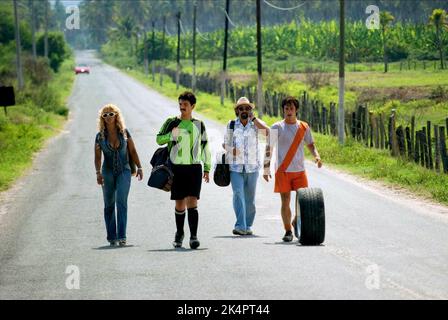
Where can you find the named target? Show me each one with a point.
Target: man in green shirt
(188, 146)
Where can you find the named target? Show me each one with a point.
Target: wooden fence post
(437, 147)
(409, 143)
(429, 142)
(377, 133)
(413, 132)
(443, 152)
(382, 132)
(392, 135)
(401, 141)
(372, 131)
(424, 144)
(417, 147)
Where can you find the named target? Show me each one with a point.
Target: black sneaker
(178, 238)
(288, 237)
(194, 243)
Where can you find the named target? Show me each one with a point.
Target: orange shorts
(290, 181)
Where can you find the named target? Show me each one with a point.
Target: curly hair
(119, 121)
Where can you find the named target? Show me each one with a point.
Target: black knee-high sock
(180, 220)
(193, 218)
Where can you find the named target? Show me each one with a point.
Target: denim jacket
(115, 160)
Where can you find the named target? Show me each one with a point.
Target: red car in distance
(82, 68)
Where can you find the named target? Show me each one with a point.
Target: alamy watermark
(74, 277)
(373, 21)
(73, 20)
(373, 279)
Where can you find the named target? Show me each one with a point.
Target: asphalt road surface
(379, 244)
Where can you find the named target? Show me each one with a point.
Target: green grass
(297, 64)
(26, 128)
(418, 83)
(397, 79)
(353, 157)
(379, 165)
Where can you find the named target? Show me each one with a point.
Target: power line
(167, 32)
(284, 9)
(182, 27)
(201, 35)
(230, 20)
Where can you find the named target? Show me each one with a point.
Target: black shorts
(187, 181)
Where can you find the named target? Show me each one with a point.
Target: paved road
(53, 219)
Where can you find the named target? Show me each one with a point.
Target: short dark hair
(189, 96)
(290, 100)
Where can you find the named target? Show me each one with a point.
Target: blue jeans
(116, 191)
(244, 186)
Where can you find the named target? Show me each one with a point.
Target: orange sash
(301, 130)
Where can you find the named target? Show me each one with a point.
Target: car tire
(311, 216)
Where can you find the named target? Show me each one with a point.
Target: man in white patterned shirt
(241, 144)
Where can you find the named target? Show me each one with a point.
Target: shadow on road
(108, 247)
(238, 237)
(295, 243)
(177, 250)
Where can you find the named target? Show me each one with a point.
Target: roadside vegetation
(40, 109)
(400, 66)
(353, 157)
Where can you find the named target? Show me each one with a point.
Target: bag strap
(126, 137)
(301, 130)
(232, 128)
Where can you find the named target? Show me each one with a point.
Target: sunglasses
(244, 108)
(108, 114)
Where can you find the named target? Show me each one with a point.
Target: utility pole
(178, 51)
(46, 30)
(224, 66)
(145, 43)
(341, 118)
(193, 80)
(33, 29)
(162, 51)
(18, 48)
(153, 52)
(259, 63)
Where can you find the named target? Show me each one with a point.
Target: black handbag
(221, 176)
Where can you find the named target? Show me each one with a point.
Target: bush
(316, 78)
(439, 94)
(279, 55)
(397, 52)
(57, 50)
(38, 71)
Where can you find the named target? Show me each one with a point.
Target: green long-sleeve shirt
(191, 146)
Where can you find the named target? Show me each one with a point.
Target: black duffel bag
(161, 174)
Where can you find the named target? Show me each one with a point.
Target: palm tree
(125, 29)
(138, 11)
(439, 20)
(386, 19)
(97, 16)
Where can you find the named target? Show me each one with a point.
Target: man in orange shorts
(290, 136)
